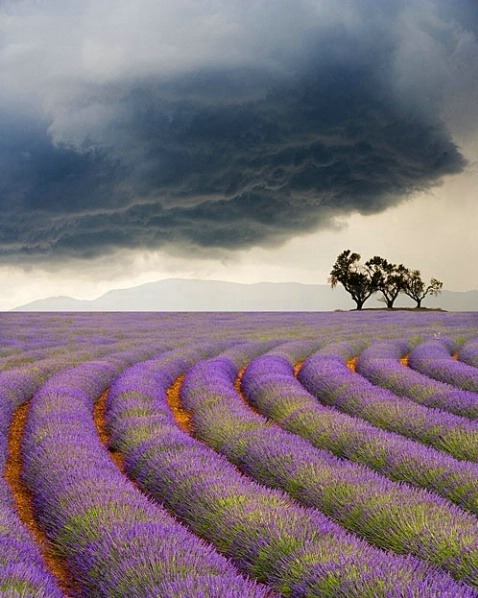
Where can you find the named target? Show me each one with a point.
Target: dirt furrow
(182, 417)
(24, 501)
(99, 416)
(241, 395)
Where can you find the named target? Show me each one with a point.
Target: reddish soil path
(99, 416)
(404, 360)
(352, 364)
(241, 395)
(24, 502)
(297, 367)
(182, 417)
(238, 380)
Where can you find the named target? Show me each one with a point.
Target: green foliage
(361, 281)
(388, 278)
(415, 287)
(355, 278)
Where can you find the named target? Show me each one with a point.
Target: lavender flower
(328, 378)
(434, 359)
(297, 550)
(118, 546)
(116, 542)
(270, 386)
(380, 363)
(392, 516)
(469, 352)
(23, 571)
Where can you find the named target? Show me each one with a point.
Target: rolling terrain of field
(239, 454)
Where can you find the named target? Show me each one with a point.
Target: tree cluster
(378, 275)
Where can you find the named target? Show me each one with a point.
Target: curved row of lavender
(434, 358)
(469, 352)
(390, 515)
(57, 332)
(331, 381)
(294, 351)
(115, 541)
(22, 568)
(345, 350)
(380, 364)
(298, 551)
(64, 339)
(270, 386)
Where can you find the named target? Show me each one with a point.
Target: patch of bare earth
(241, 395)
(99, 416)
(24, 502)
(297, 367)
(182, 417)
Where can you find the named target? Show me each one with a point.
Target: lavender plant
(269, 385)
(392, 516)
(329, 379)
(298, 551)
(115, 541)
(434, 359)
(380, 363)
(469, 352)
(110, 539)
(23, 571)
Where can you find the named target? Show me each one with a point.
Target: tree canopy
(378, 275)
(390, 279)
(357, 280)
(415, 287)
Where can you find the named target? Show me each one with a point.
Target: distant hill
(177, 294)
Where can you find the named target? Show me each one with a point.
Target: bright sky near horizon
(242, 141)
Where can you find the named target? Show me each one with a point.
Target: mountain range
(177, 294)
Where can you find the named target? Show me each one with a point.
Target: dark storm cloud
(224, 156)
(464, 13)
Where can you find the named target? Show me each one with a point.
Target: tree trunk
(359, 303)
(419, 303)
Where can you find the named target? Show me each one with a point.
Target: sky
(241, 140)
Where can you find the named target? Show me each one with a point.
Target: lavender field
(218, 455)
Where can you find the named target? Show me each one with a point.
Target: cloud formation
(224, 125)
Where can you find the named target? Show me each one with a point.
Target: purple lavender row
(22, 569)
(344, 349)
(296, 350)
(392, 516)
(331, 381)
(66, 355)
(240, 353)
(380, 364)
(434, 358)
(469, 352)
(18, 385)
(115, 541)
(296, 550)
(270, 386)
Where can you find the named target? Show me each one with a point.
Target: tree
(415, 287)
(389, 278)
(357, 279)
